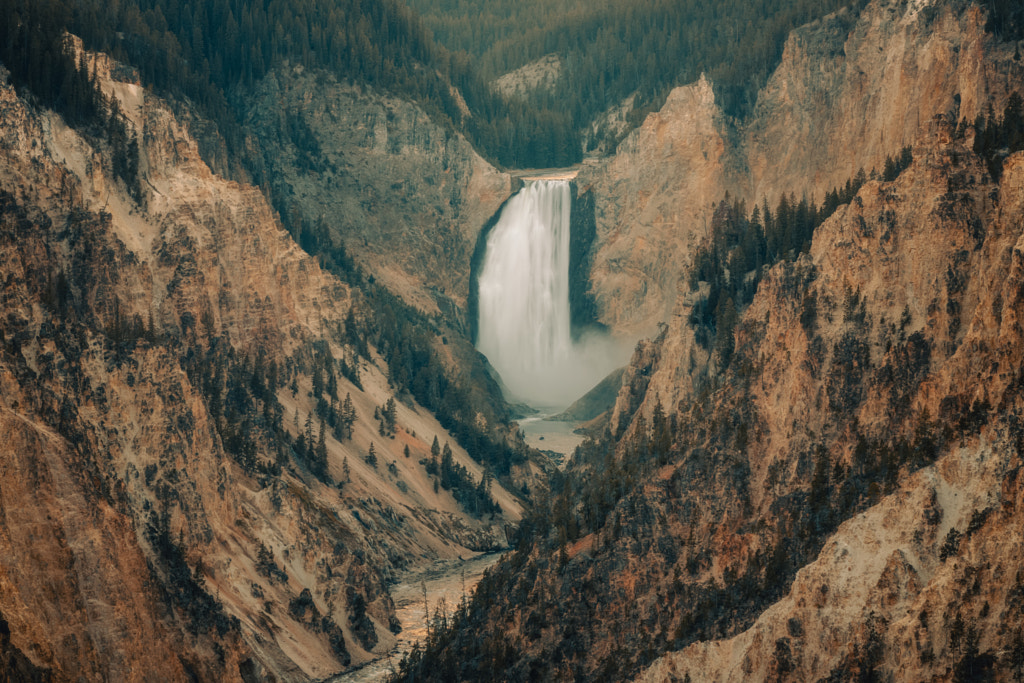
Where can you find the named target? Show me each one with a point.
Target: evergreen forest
(613, 50)
(210, 53)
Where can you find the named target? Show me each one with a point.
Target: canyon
(834, 498)
(222, 453)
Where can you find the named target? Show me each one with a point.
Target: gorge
(273, 305)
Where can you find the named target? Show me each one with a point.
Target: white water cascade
(524, 324)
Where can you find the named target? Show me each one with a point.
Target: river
(553, 436)
(443, 579)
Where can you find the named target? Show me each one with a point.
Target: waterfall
(524, 324)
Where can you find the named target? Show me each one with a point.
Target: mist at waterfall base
(524, 326)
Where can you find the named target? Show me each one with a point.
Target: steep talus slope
(366, 168)
(165, 513)
(851, 89)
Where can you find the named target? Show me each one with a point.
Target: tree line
(212, 53)
(742, 246)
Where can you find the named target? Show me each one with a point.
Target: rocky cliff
(925, 341)
(855, 87)
(851, 89)
(652, 199)
(405, 196)
(173, 506)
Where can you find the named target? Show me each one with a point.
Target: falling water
(524, 326)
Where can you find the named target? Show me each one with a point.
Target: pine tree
(332, 385)
(447, 466)
(435, 452)
(319, 462)
(390, 415)
(318, 380)
(348, 415)
(661, 433)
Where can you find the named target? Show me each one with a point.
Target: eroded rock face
(916, 289)
(149, 532)
(652, 200)
(406, 197)
(851, 89)
(925, 583)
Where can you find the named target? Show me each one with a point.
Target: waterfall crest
(524, 325)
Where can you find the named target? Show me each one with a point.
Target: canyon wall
(159, 359)
(404, 195)
(841, 500)
(917, 331)
(851, 89)
(839, 497)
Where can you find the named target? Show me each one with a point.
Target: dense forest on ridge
(210, 53)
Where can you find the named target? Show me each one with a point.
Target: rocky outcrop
(854, 88)
(158, 360)
(405, 196)
(540, 75)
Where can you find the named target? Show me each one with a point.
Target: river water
(549, 435)
(449, 580)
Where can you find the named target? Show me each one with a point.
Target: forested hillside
(612, 50)
(212, 52)
(214, 462)
(210, 55)
(42, 63)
